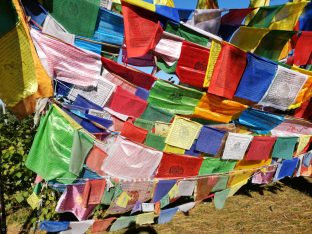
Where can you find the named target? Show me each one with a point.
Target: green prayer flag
(221, 184)
(175, 99)
(50, 152)
(37, 188)
(165, 67)
(82, 144)
(164, 201)
(117, 192)
(123, 222)
(155, 141)
(154, 113)
(284, 147)
(264, 16)
(8, 16)
(216, 165)
(220, 198)
(143, 123)
(187, 33)
(273, 43)
(108, 196)
(77, 16)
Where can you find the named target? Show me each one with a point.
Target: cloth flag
(142, 30)
(162, 189)
(260, 148)
(204, 187)
(284, 147)
(216, 165)
(305, 20)
(53, 226)
(235, 16)
(192, 64)
(93, 192)
(167, 215)
(123, 222)
(221, 184)
(215, 51)
(95, 160)
(102, 225)
(154, 113)
(228, 71)
(78, 227)
(264, 16)
(186, 187)
(172, 166)
(286, 168)
(220, 198)
(207, 4)
(256, 4)
(147, 218)
(236, 146)
(143, 123)
(155, 141)
(303, 54)
(133, 132)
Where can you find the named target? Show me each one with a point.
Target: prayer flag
(204, 187)
(186, 207)
(147, 218)
(123, 222)
(186, 187)
(33, 200)
(284, 147)
(287, 168)
(169, 3)
(216, 165)
(235, 16)
(175, 166)
(248, 165)
(142, 61)
(207, 4)
(162, 129)
(303, 53)
(35, 11)
(215, 51)
(256, 4)
(122, 200)
(143, 123)
(142, 30)
(260, 148)
(236, 146)
(155, 141)
(80, 227)
(264, 16)
(221, 184)
(162, 189)
(93, 192)
(228, 71)
(133, 132)
(305, 20)
(220, 198)
(95, 160)
(173, 149)
(167, 215)
(192, 64)
(154, 113)
(53, 226)
(304, 141)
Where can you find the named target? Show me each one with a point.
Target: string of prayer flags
(173, 166)
(78, 227)
(260, 148)
(256, 78)
(82, 22)
(127, 103)
(71, 201)
(283, 89)
(128, 160)
(192, 64)
(284, 147)
(216, 165)
(303, 54)
(133, 133)
(93, 192)
(183, 133)
(167, 215)
(210, 140)
(175, 99)
(228, 71)
(236, 146)
(142, 30)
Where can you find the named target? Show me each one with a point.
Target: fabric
(305, 18)
(248, 38)
(256, 78)
(207, 4)
(264, 16)
(259, 121)
(304, 141)
(192, 64)
(287, 168)
(8, 17)
(142, 61)
(142, 93)
(169, 3)
(162, 188)
(162, 129)
(93, 192)
(123, 222)
(221, 184)
(272, 44)
(260, 148)
(284, 147)
(239, 177)
(85, 103)
(172, 166)
(82, 22)
(256, 4)
(71, 201)
(78, 227)
(53, 226)
(284, 88)
(135, 77)
(264, 176)
(33, 200)
(212, 107)
(208, 20)
(143, 123)
(162, 65)
(133, 132)
(235, 16)
(144, 37)
(131, 161)
(209, 140)
(248, 165)
(155, 141)
(183, 133)
(165, 201)
(215, 51)
(95, 160)
(47, 157)
(69, 64)
(166, 215)
(82, 144)
(186, 187)
(236, 146)
(154, 113)
(204, 187)
(216, 165)
(126, 103)
(123, 200)
(228, 71)
(147, 218)
(192, 151)
(303, 53)
(174, 99)
(173, 149)
(220, 198)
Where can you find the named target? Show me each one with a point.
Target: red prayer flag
(96, 159)
(204, 187)
(192, 64)
(102, 225)
(127, 103)
(175, 166)
(235, 16)
(260, 148)
(303, 50)
(142, 30)
(133, 132)
(93, 192)
(133, 76)
(304, 111)
(228, 71)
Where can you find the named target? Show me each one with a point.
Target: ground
(283, 207)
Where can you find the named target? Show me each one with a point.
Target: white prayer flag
(236, 146)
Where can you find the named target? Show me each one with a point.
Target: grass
(283, 207)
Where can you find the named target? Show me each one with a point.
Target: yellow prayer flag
(303, 142)
(33, 200)
(247, 165)
(215, 50)
(248, 38)
(142, 4)
(236, 187)
(287, 17)
(162, 129)
(174, 150)
(123, 199)
(168, 3)
(183, 132)
(207, 4)
(238, 177)
(173, 191)
(146, 218)
(255, 4)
